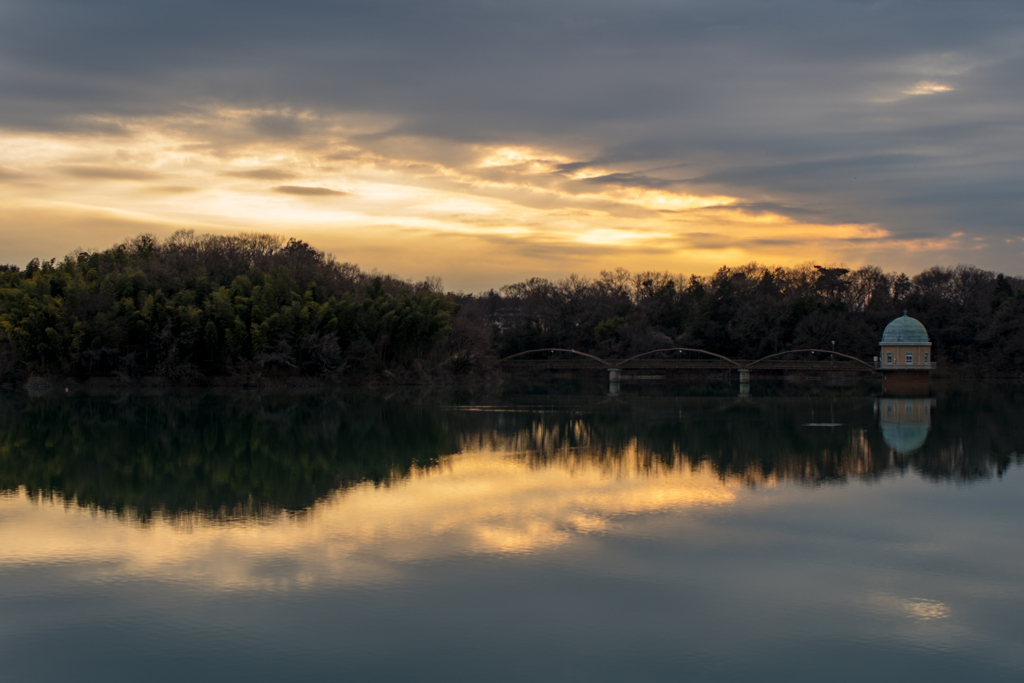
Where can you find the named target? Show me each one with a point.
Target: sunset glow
(463, 151)
(509, 211)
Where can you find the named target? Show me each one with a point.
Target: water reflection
(246, 456)
(475, 503)
(760, 441)
(225, 456)
(369, 537)
(905, 422)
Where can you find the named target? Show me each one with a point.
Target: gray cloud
(800, 103)
(10, 174)
(262, 174)
(173, 189)
(277, 126)
(631, 180)
(309, 191)
(107, 172)
(756, 208)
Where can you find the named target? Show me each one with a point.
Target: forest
(245, 308)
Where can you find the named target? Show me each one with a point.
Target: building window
(925, 356)
(888, 359)
(910, 359)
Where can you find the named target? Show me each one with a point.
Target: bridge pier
(614, 375)
(744, 382)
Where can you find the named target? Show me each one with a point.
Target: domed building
(905, 354)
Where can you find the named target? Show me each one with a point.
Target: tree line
(251, 306)
(975, 318)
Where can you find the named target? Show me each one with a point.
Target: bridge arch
(823, 351)
(678, 348)
(578, 353)
(739, 365)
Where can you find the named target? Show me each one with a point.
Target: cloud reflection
(480, 502)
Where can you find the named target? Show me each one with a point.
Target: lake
(544, 532)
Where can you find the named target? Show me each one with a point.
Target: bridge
(681, 358)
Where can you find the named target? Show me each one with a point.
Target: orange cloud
(479, 216)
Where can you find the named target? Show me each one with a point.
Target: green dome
(905, 329)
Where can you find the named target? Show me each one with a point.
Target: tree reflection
(251, 455)
(225, 456)
(968, 436)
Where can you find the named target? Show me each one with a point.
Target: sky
(487, 142)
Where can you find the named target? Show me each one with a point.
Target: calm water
(529, 535)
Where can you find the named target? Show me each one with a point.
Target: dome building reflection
(905, 422)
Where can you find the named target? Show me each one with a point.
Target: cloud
(173, 189)
(828, 111)
(304, 191)
(475, 226)
(261, 174)
(10, 174)
(760, 208)
(630, 180)
(277, 126)
(928, 88)
(107, 172)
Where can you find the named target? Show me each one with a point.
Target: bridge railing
(820, 359)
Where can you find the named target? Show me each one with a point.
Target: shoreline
(48, 383)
